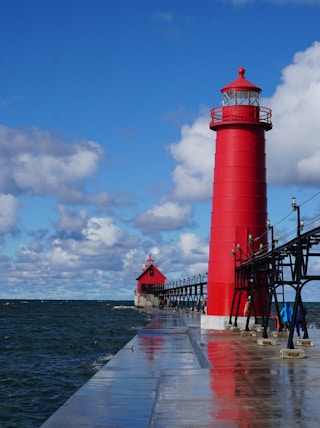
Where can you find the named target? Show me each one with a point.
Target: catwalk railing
(262, 276)
(188, 293)
(287, 265)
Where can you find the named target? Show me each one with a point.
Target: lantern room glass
(232, 98)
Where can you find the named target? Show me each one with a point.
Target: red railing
(247, 114)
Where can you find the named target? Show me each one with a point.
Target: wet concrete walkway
(173, 374)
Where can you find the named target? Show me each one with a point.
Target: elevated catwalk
(172, 374)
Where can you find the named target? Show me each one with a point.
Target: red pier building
(149, 277)
(239, 202)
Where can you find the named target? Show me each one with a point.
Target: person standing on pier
(286, 314)
(205, 306)
(299, 320)
(246, 307)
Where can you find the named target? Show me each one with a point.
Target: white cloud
(165, 217)
(102, 231)
(78, 267)
(191, 247)
(71, 220)
(45, 173)
(63, 259)
(86, 252)
(36, 162)
(188, 256)
(194, 154)
(293, 144)
(8, 207)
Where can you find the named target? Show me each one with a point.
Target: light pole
(273, 240)
(273, 276)
(300, 223)
(234, 254)
(298, 272)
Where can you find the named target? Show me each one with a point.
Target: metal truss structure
(189, 292)
(289, 264)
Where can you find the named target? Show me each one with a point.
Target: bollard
(259, 328)
(305, 342)
(279, 334)
(248, 333)
(266, 342)
(292, 353)
(255, 326)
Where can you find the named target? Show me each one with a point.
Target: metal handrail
(231, 114)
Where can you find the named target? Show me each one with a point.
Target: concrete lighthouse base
(221, 322)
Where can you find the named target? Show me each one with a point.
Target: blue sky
(105, 149)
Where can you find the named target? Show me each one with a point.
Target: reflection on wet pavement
(173, 374)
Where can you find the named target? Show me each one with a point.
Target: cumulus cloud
(102, 231)
(90, 250)
(165, 217)
(90, 258)
(293, 145)
(71, 221)
(36, 162)
(188, 256)
(8, 207)
(82, 249)
(191, 247)
(194, 155)
(45, 173)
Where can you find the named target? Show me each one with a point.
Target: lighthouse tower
(239, 202)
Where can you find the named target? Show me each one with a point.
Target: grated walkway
(173, 374)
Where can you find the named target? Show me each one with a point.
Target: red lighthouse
(239, 203)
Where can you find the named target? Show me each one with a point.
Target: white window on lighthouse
(228, 98)
(254, 98)
(242, 98)
(247, 98)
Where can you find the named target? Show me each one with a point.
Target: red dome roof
(241, 84)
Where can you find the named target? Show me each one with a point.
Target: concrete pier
(173, 374)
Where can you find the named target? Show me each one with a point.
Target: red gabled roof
(147, 269)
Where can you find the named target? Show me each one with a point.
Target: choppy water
(48, 349)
